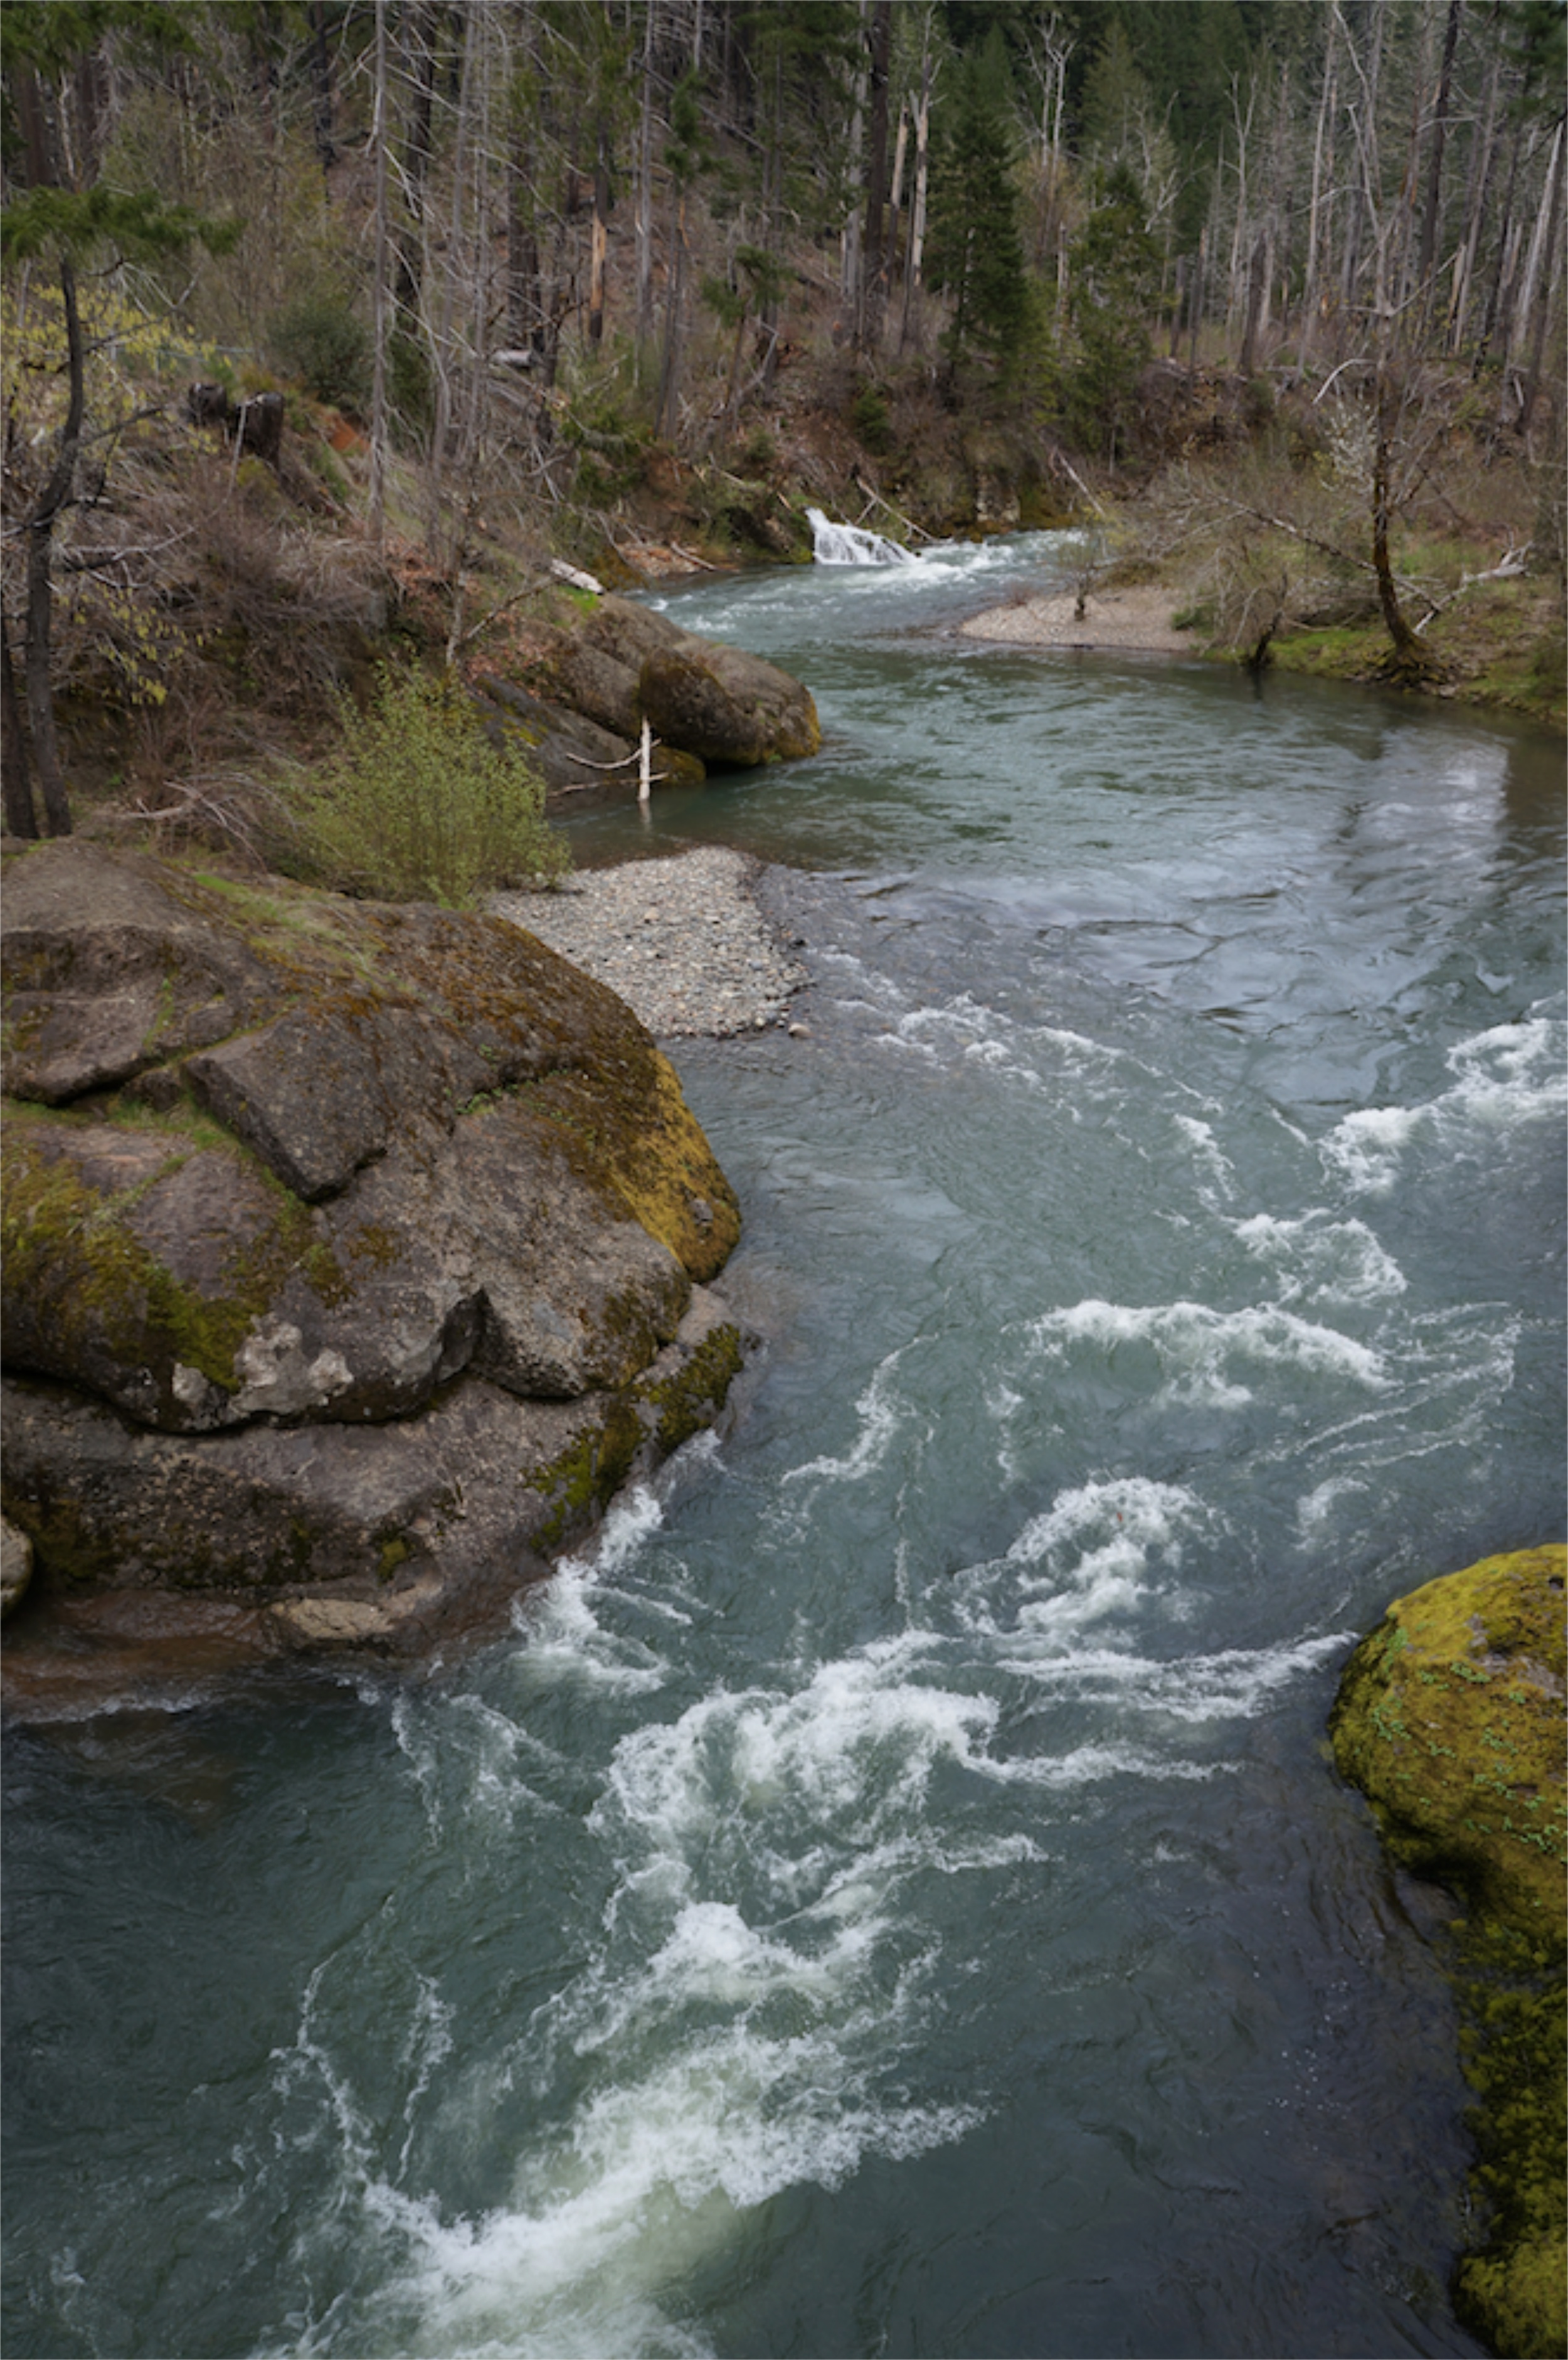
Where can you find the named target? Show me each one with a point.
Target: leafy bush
(417, 804)
(868, 412)
(317, 339)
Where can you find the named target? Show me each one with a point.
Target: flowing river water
(892, 1897)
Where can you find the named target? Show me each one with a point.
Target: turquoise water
(891, 1897)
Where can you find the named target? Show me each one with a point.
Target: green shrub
(317, 339)
(760, 452)
(409, 389)
(417, 804)
(869, 415)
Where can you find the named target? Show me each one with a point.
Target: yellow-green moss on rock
(690, 1400)
(324, 1222)
(1451, 1718)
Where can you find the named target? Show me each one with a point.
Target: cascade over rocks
(345, 1244)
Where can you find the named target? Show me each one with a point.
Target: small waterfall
(851, 545)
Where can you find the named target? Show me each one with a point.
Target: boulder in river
(1451, 1718)
(345, 1244)
(622, 664)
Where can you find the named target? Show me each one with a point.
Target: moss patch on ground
(1451, 1718)
(1501, 645)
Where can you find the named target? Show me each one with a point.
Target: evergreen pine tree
(1115, 281)
(976, 245)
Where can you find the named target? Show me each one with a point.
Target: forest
(326, 321)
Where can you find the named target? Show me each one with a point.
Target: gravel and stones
(681, 940)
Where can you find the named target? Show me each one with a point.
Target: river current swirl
(892, 1895)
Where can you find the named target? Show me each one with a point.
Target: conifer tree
(1115, 278)
(976, 245)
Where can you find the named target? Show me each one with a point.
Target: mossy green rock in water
(333, 1232)
(1451, 1718)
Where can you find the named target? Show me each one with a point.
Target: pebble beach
(681, 940)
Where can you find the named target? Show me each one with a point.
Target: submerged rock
(344, 1244)
(1451, 1718)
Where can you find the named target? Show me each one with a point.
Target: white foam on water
(651, 2182)
(562, 1632)
(1090, 1766)
(1512, 1073)
(852, 545)
(1197, 1347)
(1207, 1156)
(564, 1640)
(1315, 1510)
(1367, 1149)
(880, 1412)
(1321, 1260)
(1235, 1684)
(1086, 1556)
(1040, 1057)
(631, 1521)
(1508, 1076)
(467, 1757)
(853, 1750)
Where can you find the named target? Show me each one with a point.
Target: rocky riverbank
(354, 1256)
(681, 940)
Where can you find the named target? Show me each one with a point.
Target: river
(893, 1897)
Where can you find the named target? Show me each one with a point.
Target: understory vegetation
(330, 330)
(414, 802)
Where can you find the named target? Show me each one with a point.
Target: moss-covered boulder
(318, 1215)
(620, 664)
(727, 706)
(1451, 1718)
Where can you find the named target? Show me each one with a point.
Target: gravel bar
(681, 940)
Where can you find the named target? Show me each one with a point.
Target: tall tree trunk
(645, 180)
(895, 193)
(1322, 159)
(15, 769)
(665, 417)
(1255, 277)
(1364, 193)
(419, 68)
(525, 314)
(850, 280)
(378, 518)
(1410, 661)
(773, 174)
(321, 69)
(1505, 253)
(1477, 195)
(441, 343)
(873, 288)
(1552, 210)
(600, 238)
(1428, 256)
(915, 263)
(56, 495)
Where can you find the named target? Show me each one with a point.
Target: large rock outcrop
(345, 1244)
(1451, 1718)
(621, 664)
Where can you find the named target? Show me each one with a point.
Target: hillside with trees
(1274, 294)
